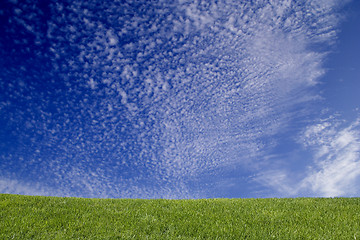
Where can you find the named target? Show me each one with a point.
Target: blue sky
(180, 99)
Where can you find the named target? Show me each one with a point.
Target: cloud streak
(337, 159)
(333, 170)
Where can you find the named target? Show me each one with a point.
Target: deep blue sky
(180, 99)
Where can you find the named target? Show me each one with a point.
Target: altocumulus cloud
(149, 98)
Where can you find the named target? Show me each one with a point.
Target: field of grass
(28, 217)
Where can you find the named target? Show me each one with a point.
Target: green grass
(28, 217)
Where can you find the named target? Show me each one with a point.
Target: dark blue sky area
(181, 99)
(342, 80)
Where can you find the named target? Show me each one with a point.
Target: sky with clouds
(180, 99)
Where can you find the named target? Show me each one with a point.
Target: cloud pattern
(334, 167)
(337, 160)
(148, 98)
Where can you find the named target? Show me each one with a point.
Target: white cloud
(334, 169)
(337, 160)
(13, 186)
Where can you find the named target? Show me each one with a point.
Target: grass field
(28, 217)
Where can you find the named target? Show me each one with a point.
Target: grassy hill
(28, 217)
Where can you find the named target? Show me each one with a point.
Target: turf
(29, 217)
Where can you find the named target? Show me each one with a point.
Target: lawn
(29, 217)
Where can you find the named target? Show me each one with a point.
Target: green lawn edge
(38, 217)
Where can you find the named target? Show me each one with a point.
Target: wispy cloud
(334, 167)
(337, 159)
(13, 186)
